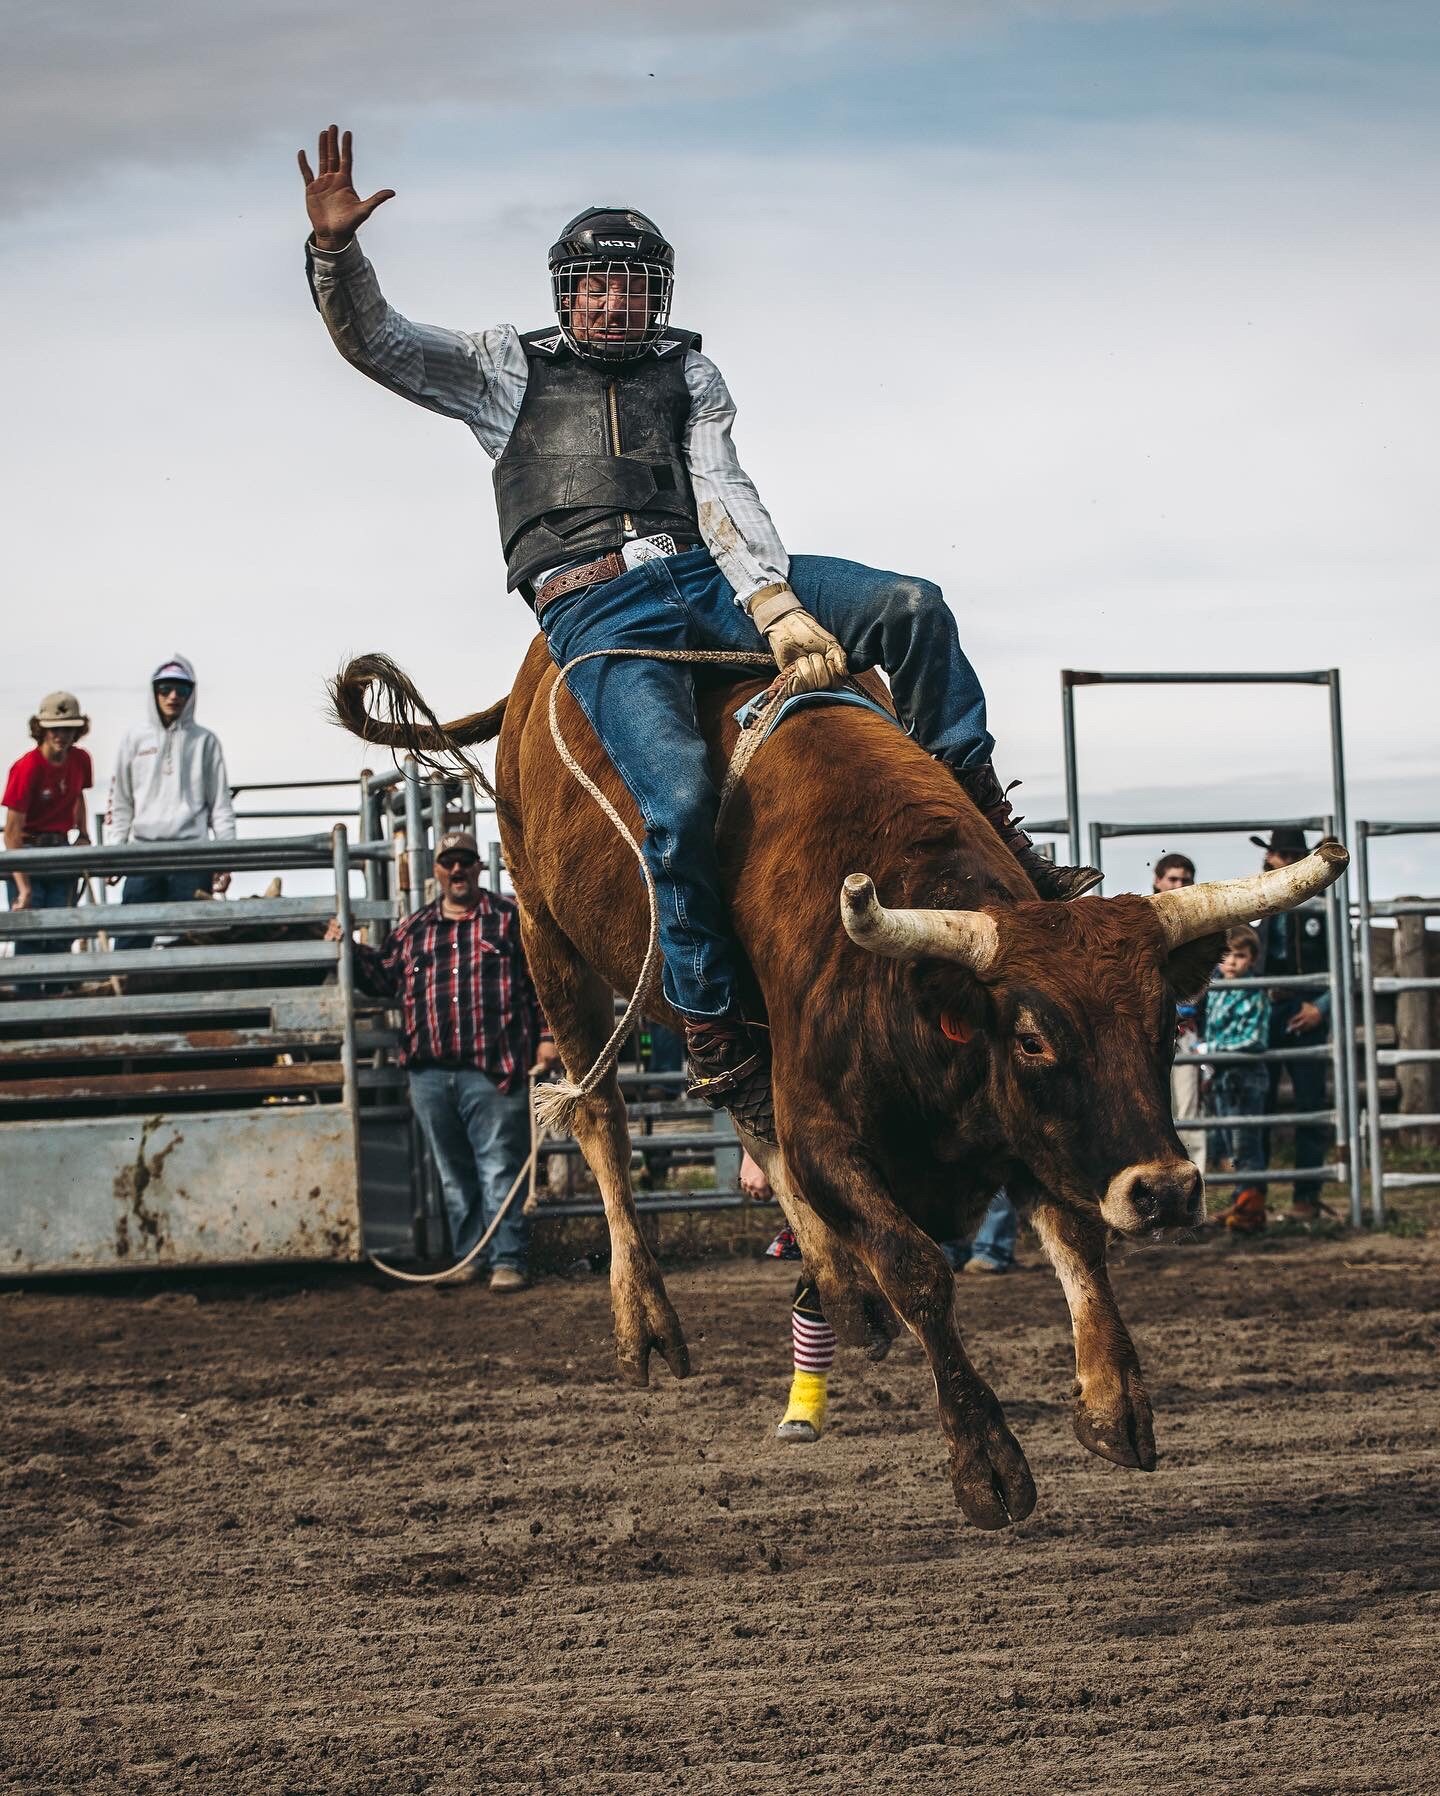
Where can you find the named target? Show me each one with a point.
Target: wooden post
(1412, 1019)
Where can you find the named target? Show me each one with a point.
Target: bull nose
(1159, 1194)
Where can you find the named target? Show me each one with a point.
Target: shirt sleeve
(454, 373)
(120, 813)
(19, 785)
(222, 808)
(737, 528)
(377, 970)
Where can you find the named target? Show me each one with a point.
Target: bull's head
(1075, 1004)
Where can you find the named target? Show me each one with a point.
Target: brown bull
(967, 1036)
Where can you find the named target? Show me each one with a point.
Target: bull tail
(404, 720)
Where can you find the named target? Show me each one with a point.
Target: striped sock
(814, 1343)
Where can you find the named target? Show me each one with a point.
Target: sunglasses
(167, 688)
(454, 862)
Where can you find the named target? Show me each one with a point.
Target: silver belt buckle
(648, 548)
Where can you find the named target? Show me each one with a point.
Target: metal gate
(1347, 1169)
(201, 1103)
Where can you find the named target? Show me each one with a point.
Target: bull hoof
(646, 1323)
(992, 1478)
(1118, 1425)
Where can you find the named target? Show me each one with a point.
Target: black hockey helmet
(634, 267)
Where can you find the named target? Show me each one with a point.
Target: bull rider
(626, 521)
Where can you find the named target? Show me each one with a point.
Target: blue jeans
(47, 892)
(478, 1137)
(994, 1240)
(644, 714)
(1242, 1091)
(1307, 1082)
(159, 888)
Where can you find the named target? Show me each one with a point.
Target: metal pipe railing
(292, 785)
(245, 853)
(1224, 827)
(1342, 1040)
(416, 858)
(1371, 987)
(346, 970)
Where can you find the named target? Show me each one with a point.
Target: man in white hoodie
(170, 785)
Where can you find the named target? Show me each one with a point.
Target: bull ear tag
(953, 1029)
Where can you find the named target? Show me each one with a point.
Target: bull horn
(1188, 913)
(968, 936)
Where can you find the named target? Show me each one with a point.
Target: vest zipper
(614, 411)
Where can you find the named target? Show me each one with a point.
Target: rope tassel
(558, 1103)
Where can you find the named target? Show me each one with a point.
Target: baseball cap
(457, 841)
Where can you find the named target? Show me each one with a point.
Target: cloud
(1139, 390)
(94, 88)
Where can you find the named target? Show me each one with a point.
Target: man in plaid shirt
(471, 1029)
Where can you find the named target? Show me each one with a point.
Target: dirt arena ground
(289, 1534)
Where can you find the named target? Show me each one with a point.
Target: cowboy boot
(1246, 1215)
(989, 798)
(729, 1067)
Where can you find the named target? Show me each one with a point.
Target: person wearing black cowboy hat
(1292, 943)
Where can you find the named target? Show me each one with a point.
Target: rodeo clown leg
(903, 625)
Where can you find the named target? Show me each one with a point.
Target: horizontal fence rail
(252, 853)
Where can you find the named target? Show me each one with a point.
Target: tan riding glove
(802, 648)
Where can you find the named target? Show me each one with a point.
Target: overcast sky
(1115, 318)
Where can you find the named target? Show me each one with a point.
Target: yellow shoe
(805, 1416)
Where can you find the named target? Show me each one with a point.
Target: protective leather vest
(597, 454)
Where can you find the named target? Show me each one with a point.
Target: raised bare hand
(336, 210)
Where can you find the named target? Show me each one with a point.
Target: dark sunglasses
(454, 862)
(166, 687)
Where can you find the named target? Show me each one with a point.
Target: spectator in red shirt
(44, 802)
(471, 1029)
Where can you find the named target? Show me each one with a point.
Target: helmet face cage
(622, 306)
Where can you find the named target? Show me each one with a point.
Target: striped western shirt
(479, 379)
(463, 989)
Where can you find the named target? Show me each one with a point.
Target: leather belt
(589, 573)
(592, 573)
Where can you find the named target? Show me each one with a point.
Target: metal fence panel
(1339, 1051)
(204, 1188)
(1371, 987)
